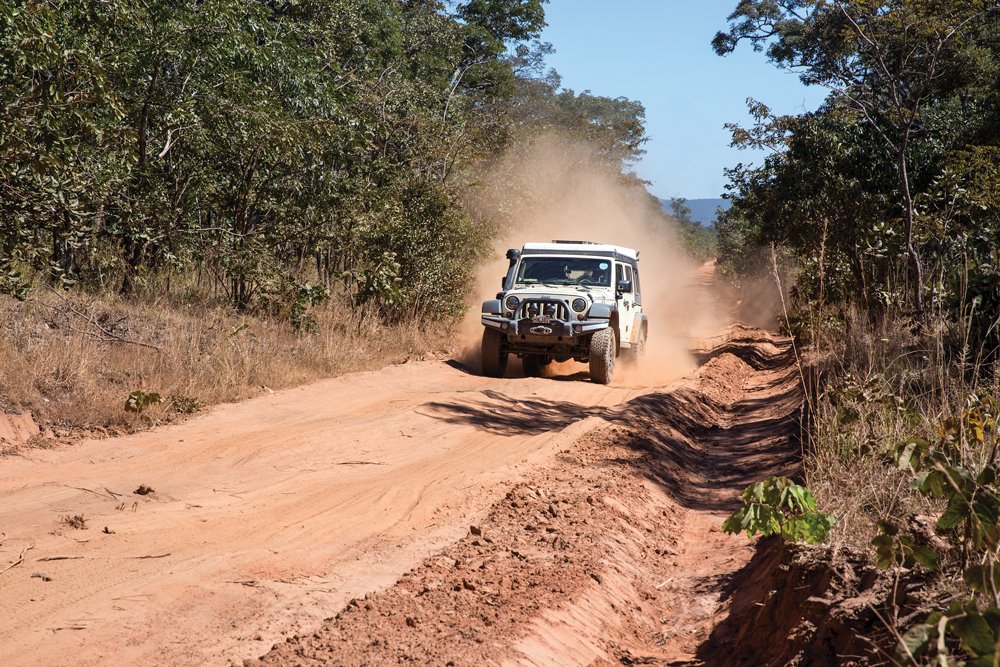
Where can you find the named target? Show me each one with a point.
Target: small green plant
(778, 506)
(139, 400)
(896, 549)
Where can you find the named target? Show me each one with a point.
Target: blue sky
(659, 52)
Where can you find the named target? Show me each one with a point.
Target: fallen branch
(252, 583)
(360, 463)
(108, 335)
(49, 558)
(144, 557)
(110, 494)
(20, 559)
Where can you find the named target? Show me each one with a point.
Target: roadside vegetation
(106, 365)
(879, 213)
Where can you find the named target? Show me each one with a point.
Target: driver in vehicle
(595, 274)
(602, 276)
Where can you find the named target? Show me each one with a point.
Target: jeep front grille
(557, 310)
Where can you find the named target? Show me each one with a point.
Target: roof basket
(579, 242)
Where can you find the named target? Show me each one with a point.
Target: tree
(680, 209)
(887, 61)
(247, 138)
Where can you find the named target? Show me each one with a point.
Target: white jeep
(565, 300)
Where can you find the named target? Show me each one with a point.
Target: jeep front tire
(602, 356)
(494, 354)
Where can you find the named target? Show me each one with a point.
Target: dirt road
(596, 511)
(265, 515)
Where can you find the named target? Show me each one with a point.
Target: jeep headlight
(579, 305)
(511, 303)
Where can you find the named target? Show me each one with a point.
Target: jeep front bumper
(542, 328)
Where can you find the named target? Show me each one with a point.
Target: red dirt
(611, 553)
(16, 430)
(331, 524)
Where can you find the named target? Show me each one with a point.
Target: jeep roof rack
(579, 242)
(587, 248)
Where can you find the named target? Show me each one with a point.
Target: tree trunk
(916, 273)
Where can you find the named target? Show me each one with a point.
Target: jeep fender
(616, 325)
(601, 311)
(492, 307)
(605, 311)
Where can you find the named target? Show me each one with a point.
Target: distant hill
(702, 210)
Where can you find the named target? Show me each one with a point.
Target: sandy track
(266, 515)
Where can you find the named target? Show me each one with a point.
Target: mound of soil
(16, 430)
(804, 606)
(556, 562)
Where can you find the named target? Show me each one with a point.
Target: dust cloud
(553, 188)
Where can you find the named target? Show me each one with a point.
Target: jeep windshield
(564, 271)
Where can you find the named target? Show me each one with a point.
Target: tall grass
(884, 380)
(72, 359)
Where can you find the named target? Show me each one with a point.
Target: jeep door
(625, 301)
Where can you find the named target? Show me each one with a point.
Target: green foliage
(381, 282)
(778, 506)
(267, 144)
(613, 128)
(895, 549)
(138, 401)
(680, 209)
(699, 242)
(875, 192)
(885, 199)
(976, 632)
(960, 467)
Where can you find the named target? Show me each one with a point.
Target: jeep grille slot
(557, 310)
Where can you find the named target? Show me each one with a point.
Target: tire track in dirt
(609, 554)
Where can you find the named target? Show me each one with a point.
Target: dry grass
(73, 359)
(886, 384)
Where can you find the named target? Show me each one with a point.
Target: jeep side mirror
(624, 286)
